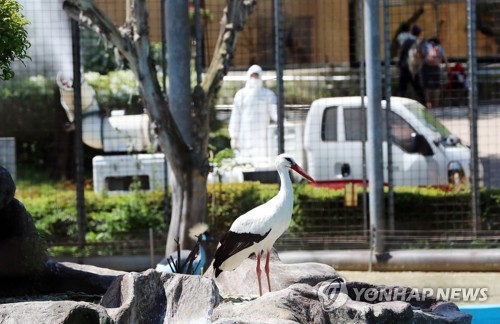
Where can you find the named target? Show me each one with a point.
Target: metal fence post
(374, 113)
(473, 113)
(279, 74)
(388, 93)
(77, 93)
(362, 93)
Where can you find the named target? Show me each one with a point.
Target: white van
(424, 152)
(330, 145)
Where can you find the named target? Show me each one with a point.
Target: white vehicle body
(331, 143)
(424, 152)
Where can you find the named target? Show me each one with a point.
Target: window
(355, 124)
(329, 124)
(401, 132)
(355, 128)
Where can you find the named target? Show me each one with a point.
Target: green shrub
(14, 41)
(316, 210)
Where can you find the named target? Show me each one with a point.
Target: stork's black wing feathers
(233, 243)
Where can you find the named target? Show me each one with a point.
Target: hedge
(124, 217)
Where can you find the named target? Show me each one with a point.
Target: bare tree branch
(233, 21)
(95, 19)
(132, 41)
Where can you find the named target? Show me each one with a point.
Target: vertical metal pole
(165, 91)
(278, 40)
(388, 94)
(151, 248)
(198, 38)
(473, 113)
(163, 15)
(374, 97)
(77, 93)
(363, 146)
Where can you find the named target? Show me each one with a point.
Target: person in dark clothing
(434, 55)
(410, 48)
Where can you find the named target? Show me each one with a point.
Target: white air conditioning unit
(120, 173)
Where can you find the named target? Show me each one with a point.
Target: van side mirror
(420, 145)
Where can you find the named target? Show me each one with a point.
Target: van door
(329, 156)
(413, 161)
(410, 168)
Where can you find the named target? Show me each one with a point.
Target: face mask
(254, 83)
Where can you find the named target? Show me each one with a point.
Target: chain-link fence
(435, 134)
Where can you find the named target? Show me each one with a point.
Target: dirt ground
(434, 280)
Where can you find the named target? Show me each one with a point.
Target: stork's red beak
(301, 171)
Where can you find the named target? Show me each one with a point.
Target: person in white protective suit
(255, 106)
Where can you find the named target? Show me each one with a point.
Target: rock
(369, 293)
(51, 312)
(67, 276)
(444, 312)
(296, 304)
(243, 280)
(136, 298)
(7, 187)
(22, 251)
(361, 312)
(151, 297)
(397, 304)
(184, 291)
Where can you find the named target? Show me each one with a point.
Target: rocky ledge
(298, 295)
(34, 290)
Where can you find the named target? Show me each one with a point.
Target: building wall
(317, 32)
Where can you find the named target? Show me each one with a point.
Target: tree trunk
(189, 206)
(187, 155)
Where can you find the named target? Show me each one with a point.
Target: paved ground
(434, 280)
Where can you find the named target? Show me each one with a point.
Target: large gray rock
(361, 312)
(190, 299)
(295, 304)
(151, 297)
(444, 312)
(53, 312)
(243, 280)
(22, 251)
(396, 304)
(60, 277)
(299, 296)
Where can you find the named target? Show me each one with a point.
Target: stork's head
(286, 161)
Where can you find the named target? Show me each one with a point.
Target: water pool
(482, 314)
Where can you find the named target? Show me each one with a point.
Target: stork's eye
(289, 160)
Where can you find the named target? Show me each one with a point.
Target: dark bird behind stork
(256, 231)
(188, 261)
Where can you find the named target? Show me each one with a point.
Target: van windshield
(442, 133)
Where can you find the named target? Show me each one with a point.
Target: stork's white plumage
(257, 230)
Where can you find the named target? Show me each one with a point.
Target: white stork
(257, 230)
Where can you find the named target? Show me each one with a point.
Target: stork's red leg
(266, 269)
(258, 273)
